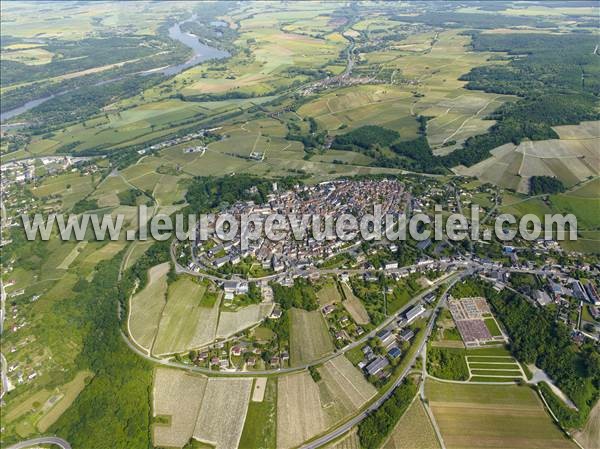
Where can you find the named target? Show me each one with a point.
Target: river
(202, 53)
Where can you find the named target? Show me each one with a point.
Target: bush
(545, 184)
(365, 137)
(374, 429)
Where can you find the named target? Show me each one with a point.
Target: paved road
(3, 363)
(336, 433)
(42, 440)
(425, 403)
(179, 269)
(346, 348)
(5, 383)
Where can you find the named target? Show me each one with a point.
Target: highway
(42, 440)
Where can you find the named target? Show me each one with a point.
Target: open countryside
(316, 107)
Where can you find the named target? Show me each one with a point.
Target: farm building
(395, 352)
(376, 366)
(406, 334)
(414, 313)
(386, 337)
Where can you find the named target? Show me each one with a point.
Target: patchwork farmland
(167, 322)
(299, 412)
(573, 158)
(146, 307)
(223, 412)
(180, 316)
(309, 337)
(231, 323)
(209, 410)
(176, 397)
(343, 389)
(492, 416)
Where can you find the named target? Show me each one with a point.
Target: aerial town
(300, 225)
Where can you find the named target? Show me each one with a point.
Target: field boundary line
(469, 118)
(556, 419)
(360, 393)
(428, 412)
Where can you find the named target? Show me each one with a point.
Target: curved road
(42, 440)
(341, 430)
(346, 348)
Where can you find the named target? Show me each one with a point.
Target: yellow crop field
(299, 412)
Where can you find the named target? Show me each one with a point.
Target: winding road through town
(386, 322)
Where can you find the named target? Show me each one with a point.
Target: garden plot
(299, 413)
(329, 294)
(176, 396)
(223, 412)
(230, 323)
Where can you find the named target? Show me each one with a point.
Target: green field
(492, 416)
(329, 294)
(180, 316)
(490, 371)
(261, 421)
(492, 326)
(413, 430)
(475, 365)
(68, 188)
(489, 379)
(309, 337)
(146, 307)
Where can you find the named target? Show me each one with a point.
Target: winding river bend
(201, 51)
